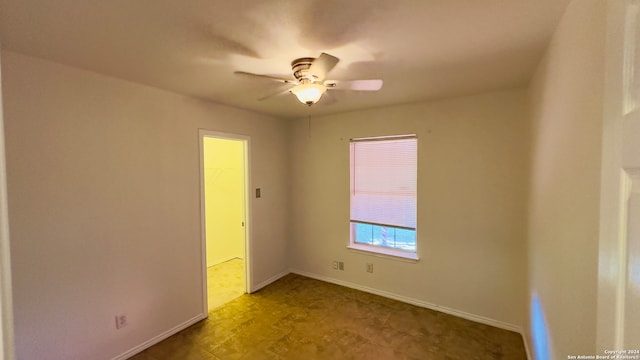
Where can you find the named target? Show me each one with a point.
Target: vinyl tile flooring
(225, 282)
(301, 318)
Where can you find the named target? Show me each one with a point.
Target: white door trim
(7, 350)
(202, 133)
(614, 192)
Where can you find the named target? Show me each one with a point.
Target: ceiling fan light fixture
(309, 93)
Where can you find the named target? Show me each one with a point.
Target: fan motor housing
(301, 67)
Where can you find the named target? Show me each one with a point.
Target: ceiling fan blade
(280, 91)
(356, 85)
(274, 78)
(322, 65)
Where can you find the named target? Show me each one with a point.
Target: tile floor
(225, 282)
(302, 318)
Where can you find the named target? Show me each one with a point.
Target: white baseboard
(147, 344)
(221, 260)
(526, 345)
(269, 281)
(424, 304)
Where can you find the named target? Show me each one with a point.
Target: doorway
(224, 190)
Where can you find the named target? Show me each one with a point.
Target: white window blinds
(383, 181)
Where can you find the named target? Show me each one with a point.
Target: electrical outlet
(335, 265)
(369, 267)
(341, 265)
(121, 321)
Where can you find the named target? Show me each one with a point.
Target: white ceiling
(422, 49)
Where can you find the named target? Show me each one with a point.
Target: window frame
(378, 250)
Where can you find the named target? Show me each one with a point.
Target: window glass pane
(386, 236)
(406, 239)
(363, 233)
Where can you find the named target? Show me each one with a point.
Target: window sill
(384, 253)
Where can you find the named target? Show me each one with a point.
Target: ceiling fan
(309, 82)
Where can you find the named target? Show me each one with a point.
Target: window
(383, 195)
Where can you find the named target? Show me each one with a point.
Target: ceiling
(422, 49)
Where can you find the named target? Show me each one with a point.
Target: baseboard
(269, 281)
(424, 304)
(220, 261)
(147, 344)
(526, 345)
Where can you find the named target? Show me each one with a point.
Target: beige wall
(104, 197)
(565, 178)
(224, 199)
(471, 191)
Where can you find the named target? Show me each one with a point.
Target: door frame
(202, 134)
(7, 342)
(614, 186)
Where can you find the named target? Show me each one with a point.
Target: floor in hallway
(225, 282)
(301, 318)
